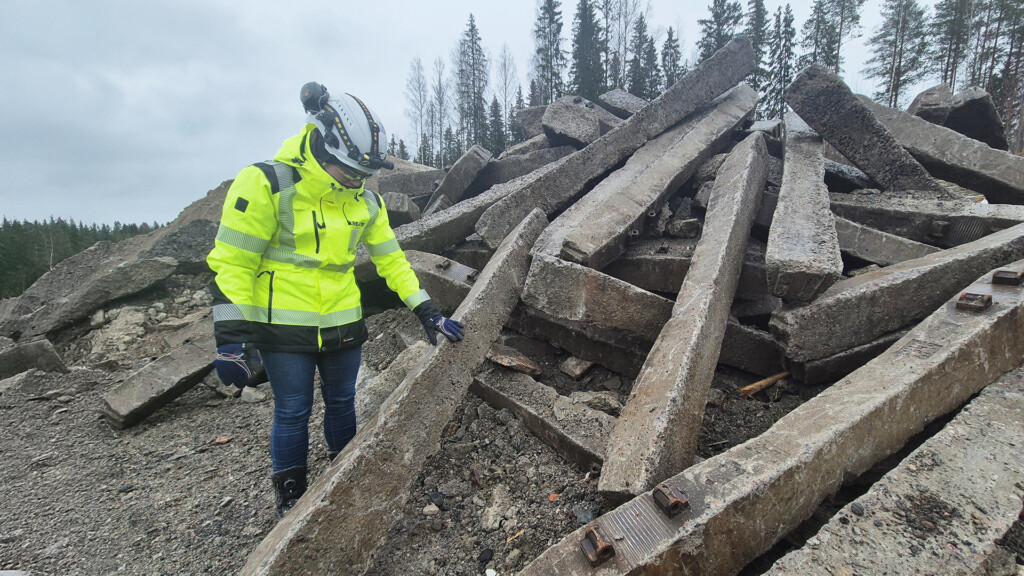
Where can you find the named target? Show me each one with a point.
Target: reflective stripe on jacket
(285, 251)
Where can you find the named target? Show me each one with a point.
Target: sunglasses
(350, 174)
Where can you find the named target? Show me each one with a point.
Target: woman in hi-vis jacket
(285, 292)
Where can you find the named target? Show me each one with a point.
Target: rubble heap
(669, 243)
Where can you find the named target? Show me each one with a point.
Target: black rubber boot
(289, 485)
(331, 455)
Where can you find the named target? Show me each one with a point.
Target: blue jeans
(291, 378)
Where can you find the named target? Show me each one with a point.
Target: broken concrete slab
(110, 279)
(446, 281)
(38, 355)
(473, 253)
(441, 203)
(843, 178)
(574, 292)
(944, 223)
(750, 349)
(538, 142)
(656, 434)
(605, 119)
(401, 209)
(508, 168)
(974, 165)
(459, 177)
(974, 115)
(346, 514)
(616, 350)
(438, 232)
(621, 103)
(529, 121)
(857, 310)
(161, 381)
(802, 257)
(596, 229)
(684, 228)
(709, 169)
(661, 265)
(771, 128)
(970, 473)
(760, 308)
(566, 124)
(624, 351)
(824, 101)
(933, 105)
(834, 367)
(411, 183)
(575, 368)
(373, 392)
(744, 500)
(577, 432)
(559, 187)
(513, 359)
(876, 246)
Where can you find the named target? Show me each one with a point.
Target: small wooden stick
(748, 391)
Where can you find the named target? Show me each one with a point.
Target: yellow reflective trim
(383, 249)
(241, 240)
(416, 298)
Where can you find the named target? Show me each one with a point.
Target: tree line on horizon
(30, 249)
(611, 45)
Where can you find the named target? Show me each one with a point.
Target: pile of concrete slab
(662, 239)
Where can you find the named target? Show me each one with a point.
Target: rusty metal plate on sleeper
(971, 302)
(1008, 277)
(597, 546)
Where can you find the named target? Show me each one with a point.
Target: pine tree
(496, 140)
(535, 96)
(471, 83)
(846, 15)
(416, 97)
(780, 63)
(643, 77)
(819, 38)
(1008, 85)
(671, 57)
(514, 132)
(401, 151)
(757, 31)
(720, 27)
(549, 59)
(950, 31)
(392, 146)
(586, 74)
(898, 50)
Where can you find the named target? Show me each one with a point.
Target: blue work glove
(433, 321)
(452, 329)
(238, 364)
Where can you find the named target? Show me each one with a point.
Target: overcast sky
(130, 110)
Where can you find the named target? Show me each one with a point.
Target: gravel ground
(187, 490)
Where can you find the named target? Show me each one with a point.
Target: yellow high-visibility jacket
(285, 252)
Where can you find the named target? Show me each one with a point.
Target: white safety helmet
(350, 131)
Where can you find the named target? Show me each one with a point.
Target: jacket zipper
(316, 232)
(270, 295)
(317, 227)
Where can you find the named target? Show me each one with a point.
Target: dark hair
(320, 152)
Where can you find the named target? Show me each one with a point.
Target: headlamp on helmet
(350, 131)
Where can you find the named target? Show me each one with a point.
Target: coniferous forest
(30, 249)
(471, 98)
